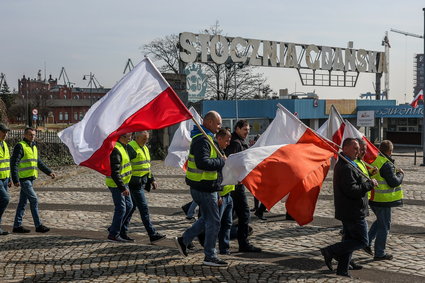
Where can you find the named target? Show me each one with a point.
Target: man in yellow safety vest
(24, 164)
(141, 177)
(388, 194)
(4, 173)
(118, 185)
(203, 175)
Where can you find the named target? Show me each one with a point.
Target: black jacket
(237, 144)
(18, 153)
(393, 180)
(115, 161)
(350, 192)
(201, 148)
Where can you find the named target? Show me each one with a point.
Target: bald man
(203, 175)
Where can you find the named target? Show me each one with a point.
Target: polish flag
(141, 100)
(333, 128)
(178, 151)
(419, 96)
(289, 158)
(371, 152)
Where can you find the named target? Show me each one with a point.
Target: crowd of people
(356, 184)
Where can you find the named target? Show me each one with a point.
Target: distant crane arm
(407, 33)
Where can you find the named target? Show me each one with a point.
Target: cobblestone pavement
(78, 208)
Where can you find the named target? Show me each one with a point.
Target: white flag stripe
(178, 151)
(130, 94)
(240, 164)
(284, 129)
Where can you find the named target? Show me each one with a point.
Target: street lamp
(92, 81)
(235, 66)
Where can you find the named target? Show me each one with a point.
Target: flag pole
(206, 136)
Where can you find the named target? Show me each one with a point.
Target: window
(81, 115)
(75, 116)
(60, 116)
(66, 116)
(64, 96)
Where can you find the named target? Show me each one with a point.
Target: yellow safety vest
(27, 166)
(141, 164)
(198, 175)
(4, 161)
(384, 193)
(227, 189)
(362, 166)
(125, 172)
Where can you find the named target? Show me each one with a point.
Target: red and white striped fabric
(289, 158)
(178, 151)
(351, 132)
(333, 128)
(415, 101)
(141, 100)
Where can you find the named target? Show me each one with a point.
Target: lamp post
(423, 104)
(92, 80)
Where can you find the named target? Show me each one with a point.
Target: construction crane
(2, 79)
(128, 66)
(64, 75)
(407, 33)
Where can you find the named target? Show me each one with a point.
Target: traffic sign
(35, 111)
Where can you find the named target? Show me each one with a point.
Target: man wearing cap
(4, 173)
(24, 164)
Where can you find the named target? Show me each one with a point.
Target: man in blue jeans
(118, 185)
(350, 198)
(141, 177)
(388, 194)
(24, 164)
(203, 175)
(4, 173)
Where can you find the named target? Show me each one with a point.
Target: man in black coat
(350, 199)
(240, 202)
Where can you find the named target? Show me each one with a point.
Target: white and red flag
(337, 129)
(333, 128)
(415, 101)
(178, 151)
(141, 100)
(371, 151)
(288, 158)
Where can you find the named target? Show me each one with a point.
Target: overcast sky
(99, 36)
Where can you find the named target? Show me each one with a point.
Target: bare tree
(225, 81)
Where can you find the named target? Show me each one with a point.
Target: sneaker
(42, 229)
(3, 233)
(115, 238)
(226, 252)
(385, 257)
(156, 237)
(191, 219)
(215, 261)
(354, 266)
(249, 249)
(126, 238)
(181, 246)
(21, 229)
(368, 250)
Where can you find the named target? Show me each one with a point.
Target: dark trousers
(355, 238)
(241, 208)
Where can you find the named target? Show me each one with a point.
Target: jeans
(123, 206)
(27, 194)
(355, 238)
(209, 222)
(240, 205)
(380, 228)
(139, 200)
(191, 210)
(226, 212)
(4, 196)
